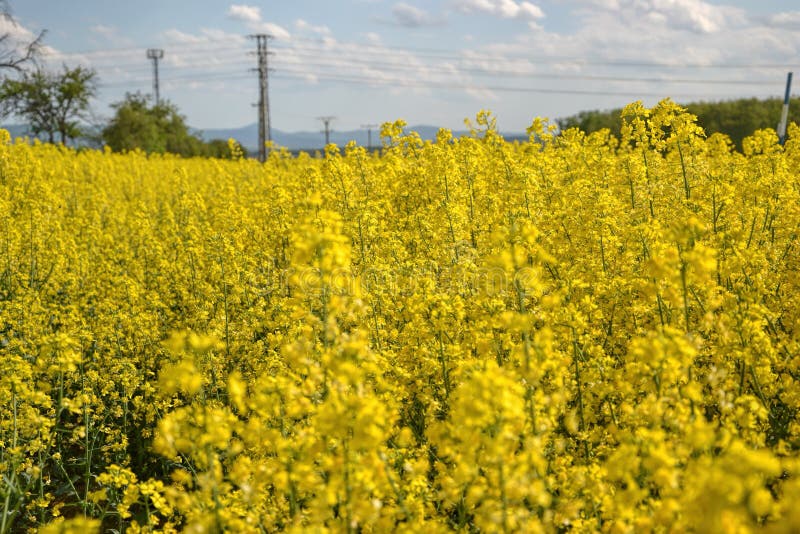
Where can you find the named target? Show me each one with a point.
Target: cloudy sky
(428, 62)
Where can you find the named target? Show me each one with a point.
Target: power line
(172, 45)
(313, 53)
(498, 88)
(553, 76)
(316, 46)
(450, 70)
(286, 74)
(177, 57)
(300, 45)
(469, 54)
(514, 74)
(494, 72)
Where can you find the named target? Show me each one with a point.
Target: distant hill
(248, 136)
(92, 140)
(17, 130)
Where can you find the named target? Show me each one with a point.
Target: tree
(155, 128)
(15, 54)
(51, 103)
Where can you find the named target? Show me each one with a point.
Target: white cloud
(412, 17)
(372, 38)
(17, 33)
(275, 30)
(605, 4)
(650, 36)
(378, 65)
(176, 36)
(507, 9)
(204, 36)
(251, 16)
(306, 27)
(214, 34)
(104, 31)
(787, 19)
(245, 13)
(697, 16)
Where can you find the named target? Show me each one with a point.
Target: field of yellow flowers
(575, 334)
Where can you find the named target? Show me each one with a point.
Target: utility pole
(785, 110)
(264, 128)
(155, 54)
(327, 131)
(369, 128)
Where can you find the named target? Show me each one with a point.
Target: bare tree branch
(12, 55)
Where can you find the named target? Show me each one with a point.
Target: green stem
(576, 350)
(685, 296)
(683, 169)
(12, 481)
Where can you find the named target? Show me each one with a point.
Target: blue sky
(435, 62)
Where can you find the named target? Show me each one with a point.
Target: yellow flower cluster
(576, 333)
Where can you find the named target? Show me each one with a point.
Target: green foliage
(219, 148)
(734, 118)
(51, 102)
(592, 121)
(156, 128)
(740, 118)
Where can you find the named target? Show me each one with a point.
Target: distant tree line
(735, 118)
